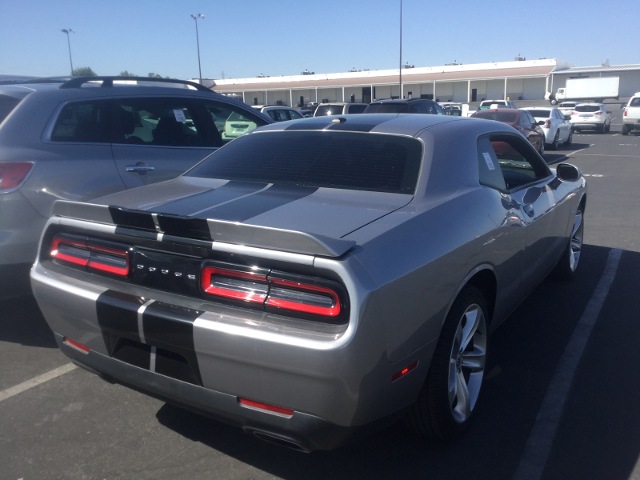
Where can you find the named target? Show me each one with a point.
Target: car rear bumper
(301, 431)
(192, 358)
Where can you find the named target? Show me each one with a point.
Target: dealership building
(520, 79)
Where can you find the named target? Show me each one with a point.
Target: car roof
(402, 100)
(391, 123)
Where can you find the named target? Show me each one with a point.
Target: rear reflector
(266, 408)
(404, 371)
(75, 345)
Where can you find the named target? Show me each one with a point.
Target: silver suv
(86, 137)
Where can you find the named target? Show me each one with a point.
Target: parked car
(451, 108)
(313, 278)
(338, 108)
(521, 120)
(631, 115)
(567, 108)
(405, 105)
(78, 140)
(557, 128)
(280, 113)
(487, 104)
(591, 116)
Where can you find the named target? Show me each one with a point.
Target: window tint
(635, 102)
(357, 108)
(7, 104)
(540, 113)
(161, 121)
(506, 116)
(82, 122)
(507, 163)
(353, 161)
(587, 108)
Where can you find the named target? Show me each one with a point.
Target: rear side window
(352, 161)
(635, 102)
(7, 104)
(83, 122)
(509, 163)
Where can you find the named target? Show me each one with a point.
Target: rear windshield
(635, 102)
(501, 116)
(587, 108)
(343, 160)
(540, 113)
(388, 108)
(328, 110)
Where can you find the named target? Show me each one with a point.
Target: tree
(84, 72)
(154, 75)
(127, 74)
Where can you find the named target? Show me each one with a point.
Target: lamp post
(400, 70)
(67, 31)
(195, 19)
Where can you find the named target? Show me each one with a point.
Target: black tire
(566, 267)
(625, 129)
(556, 141)
(569, 138)
(448, 400)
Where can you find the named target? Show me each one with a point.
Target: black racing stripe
(118, 314)
(254, 205)
(195, 203)
(170, 328)
(167, 330)
(132, 218)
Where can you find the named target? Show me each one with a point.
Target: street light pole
(67, 31)
(195, 19)
(400, 70)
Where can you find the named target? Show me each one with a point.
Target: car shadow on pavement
(22, 322)
(525, 354)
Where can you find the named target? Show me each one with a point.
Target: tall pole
(400, 70)
(195, 19)
(67, 31)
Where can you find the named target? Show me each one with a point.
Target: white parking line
(34, 382)
(536, 454)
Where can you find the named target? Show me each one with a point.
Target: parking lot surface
(560, 400)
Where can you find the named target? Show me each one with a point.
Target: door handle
(139, 168)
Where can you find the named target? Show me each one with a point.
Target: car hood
(239, 212)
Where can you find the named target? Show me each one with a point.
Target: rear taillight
(547, 123)
(276, 291)
(92, 256)
(13, 174)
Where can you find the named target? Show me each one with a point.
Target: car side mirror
(568, 172)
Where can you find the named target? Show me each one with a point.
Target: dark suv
(87, 137)
(406, 105)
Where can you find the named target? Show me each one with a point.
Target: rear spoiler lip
(258, 236)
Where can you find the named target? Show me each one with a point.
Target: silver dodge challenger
(314, 279)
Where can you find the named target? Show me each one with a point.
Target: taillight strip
(313, 299)
(92, 256)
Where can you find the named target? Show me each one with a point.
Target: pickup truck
(631, 115)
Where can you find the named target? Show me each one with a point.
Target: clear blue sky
(246, 38)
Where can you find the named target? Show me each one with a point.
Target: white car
(557, 129)
(279, 113)
(567, 107)
(592, 116)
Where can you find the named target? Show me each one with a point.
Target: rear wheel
(625, 129)
(447, 403)
(556, 141)
(569, 138)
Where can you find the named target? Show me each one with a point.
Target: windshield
(344, 160)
